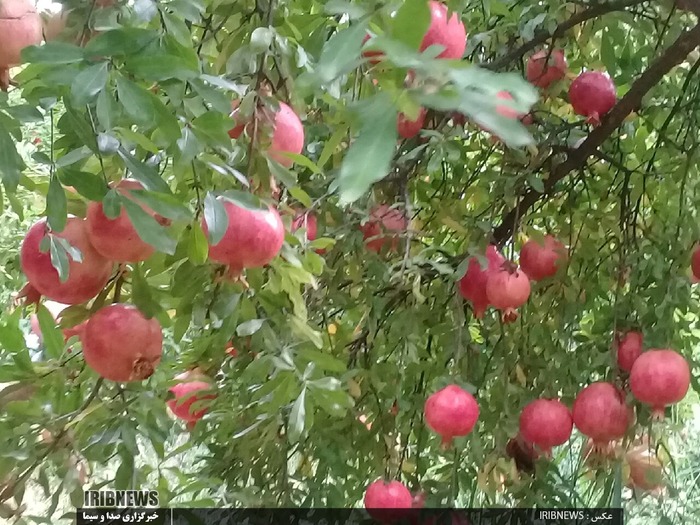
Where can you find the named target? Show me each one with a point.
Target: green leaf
(91, 186)
(107, 144)
(25, 113)
(297, 417)
(197, 248)
(136, 101)
(118, 42)
(146, 175)
(304, 161)
(74, 156)
(50, 333)
(249, 327)
(300, 195)
(10, 161)
(369, 158)
(261, 39)
(341, 53)
(106, 109)
(112, 204)
(59, 258)
(53, 53)
(188, 145)
(89, 83)
(244, 200)
(161, 67)
(216, 218)
(56, 205)
(411, 22)
(149, 230)
(163, 204)
(282, 174)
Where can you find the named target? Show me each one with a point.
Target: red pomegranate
(473, 285)
(445, 31)
(600, 413)
(546, 423)
(419, 499)
(382, 500)
(451, 412)
(253, 237)
(507, 290)
(540, 261)
(239, 127)
(410, 128)
(592, 94)
(306, 220)
(375, 57)
(506, 111)
(646, 471)
(187, 394)
(120, 344)
(85, 279)
(544, 68)
(695, 263)
(116, 239)
(628, 349)
(383, 219)
(20, 26)
(660, 378)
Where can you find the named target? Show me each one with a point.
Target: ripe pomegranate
(116, 239)
(306, 220)
(660, 378)
(451, 412)
(628, 348)
(600, 413)
(85, 279)
(473, 285)
(592, 94)
(382, 500)
(695, 263)
(508, 289)
(540, 261)
(506, 111)
(371, 54)
(544, 68)
(187, 394)
(446, 32)
(120, 344)
(238, 129)
(419, 499)
(20, 26)
(410, 128)
(546, 423)
(646, 471)
(383, 219)
(253, 237)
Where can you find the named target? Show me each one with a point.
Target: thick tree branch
(576, 159)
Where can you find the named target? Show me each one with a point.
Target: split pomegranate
(186, 395)
(383, 219)
(592, 94)
(546, 423)
(660, 378)
(695, 263)
(20, 26)
(544, 68)
(507, 290)
(451, 412)
(445, 31)
(120, 344)
(252, 239)
(382, 500)
(375, 57)
(600, 413)
(540, 261)
(117, 239)
(85, 279)
(473, 285)
(410, 128)
(628, 349)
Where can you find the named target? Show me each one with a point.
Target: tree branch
(576, 159)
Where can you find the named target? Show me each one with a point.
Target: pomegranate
(231, 350)
(544, 68)
(446, 31)
(540, 261)
(600, 413)
(116, 239)
(85, 279)
(382, 500)
(306, 220)
(473, 285)
(628, 349)
(592, 95)
(20, 26)
(187, 394)
(252, 239)
(375, 57)
(695, 263)
(506, 111)
(508, 289)
(120, 344)
(451, 412)
(419, 499)
(410, 128)
(660, 378)
(546, 423)
(238, 129)
(646, 471)
(383, 219)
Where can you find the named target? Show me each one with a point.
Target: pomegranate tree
(446, 31)
(628, 348)
(544, 68)
(451, 412)
(660, 378)
(546, 423)
(252, 239)
(86, 278)
(600, 413)
(542, 260)
(592, 95)
(382, 500)
(190, 391)
(383, 219)
(20, 26)
(508, 289)
(120, 344)
(473, 285)
(410, 128)
(116, 239)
